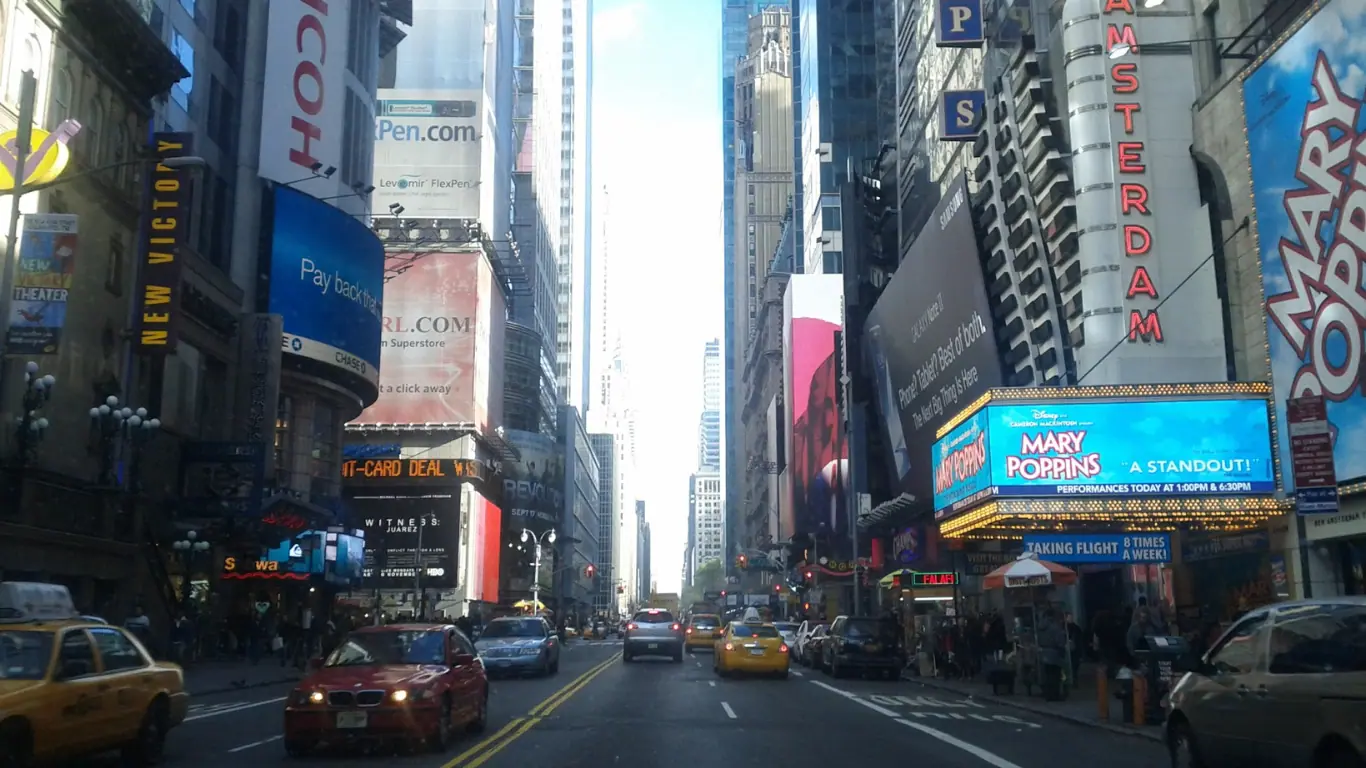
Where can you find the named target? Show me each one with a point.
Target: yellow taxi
(71, 687)
(751, 647)
(702, 631)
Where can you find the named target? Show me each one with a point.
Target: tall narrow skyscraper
(709, 428)
(575, 88)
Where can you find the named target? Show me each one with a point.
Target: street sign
(1311, 455)
(1100, 547)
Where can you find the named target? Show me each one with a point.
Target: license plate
(756, 651)
(653, 646)
(352, 719)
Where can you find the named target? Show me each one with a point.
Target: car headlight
(399, 696)
(529, 650)
(304, 698)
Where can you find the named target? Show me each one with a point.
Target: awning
(887, 511)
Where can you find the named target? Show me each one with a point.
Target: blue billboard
(1090, 548)
(1302, 111)
(1158, 448)
(962, 465)
(327, 281)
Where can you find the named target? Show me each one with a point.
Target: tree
(710, 577)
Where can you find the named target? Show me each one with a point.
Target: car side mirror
(462, 659)
(315, 664)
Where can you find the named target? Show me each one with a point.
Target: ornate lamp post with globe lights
(30, 426)
(122, 432)
(190, 550)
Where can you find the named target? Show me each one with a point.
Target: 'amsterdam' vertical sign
(166, 220)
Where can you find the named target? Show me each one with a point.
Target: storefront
(1096, 468)
(1338, 544)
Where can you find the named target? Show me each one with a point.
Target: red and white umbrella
(1029, 571)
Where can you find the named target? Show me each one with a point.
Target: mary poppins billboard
(929, 339)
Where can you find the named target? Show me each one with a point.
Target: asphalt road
(599, 712)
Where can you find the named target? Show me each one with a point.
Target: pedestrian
(140, 626)
(1076, 640)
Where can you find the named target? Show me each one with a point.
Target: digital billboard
(533, 488)
(813, 315)
(1301, 103)
(405, 533)
(1126, 448)
(483, 544)
(928, 339)
(427, 152)
(326, 282)
(443, 314)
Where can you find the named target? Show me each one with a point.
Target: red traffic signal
(590, 570)
(808, 575)
(723, 593)
(621, 590)
(896, 581)
(777, 587)
(742, 561)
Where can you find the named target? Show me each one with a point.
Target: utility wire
(1242, 226)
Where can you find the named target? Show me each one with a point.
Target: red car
(396, 684)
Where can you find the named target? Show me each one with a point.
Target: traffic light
(590, 570)
(621, 590)
(808, 575)
(777, 587)
(723, 593)
(741, 561)
(896, 581)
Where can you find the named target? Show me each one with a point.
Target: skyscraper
(709, 428)
(735, 15)
(573, 87)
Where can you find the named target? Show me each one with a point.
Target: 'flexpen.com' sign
(166, 219)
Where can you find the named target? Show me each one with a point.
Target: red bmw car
(400, 684)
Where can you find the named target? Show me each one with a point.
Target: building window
(324, 478)
(27, 57)
(118, 150)
(113, 270)
(180, 390)
(284, 414)
(180, 92)
(91, 128)
(62, 89)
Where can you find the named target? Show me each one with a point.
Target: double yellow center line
(483, 751)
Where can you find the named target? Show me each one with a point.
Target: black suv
(862, 644)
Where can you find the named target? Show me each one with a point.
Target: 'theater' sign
(1144, 323)
(165, 205)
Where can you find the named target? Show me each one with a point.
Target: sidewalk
(1080, 707)
(208, 677)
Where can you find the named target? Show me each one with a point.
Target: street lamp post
(549, 538)
(32, 425)
(122, 432)
(190, 549)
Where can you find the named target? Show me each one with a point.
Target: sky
(657, 150)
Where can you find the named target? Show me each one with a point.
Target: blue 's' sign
(1132, 548)
(960, 24)
(961, 115)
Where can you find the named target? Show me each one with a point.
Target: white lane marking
(711, 683)
(227, 710)
(990, 758)
(729, 712)
(854, 698)
(245, 747)
(798, 674)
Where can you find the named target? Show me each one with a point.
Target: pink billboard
(812, 315)
(441, 356)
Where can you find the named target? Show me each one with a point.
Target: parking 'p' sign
(959, 24)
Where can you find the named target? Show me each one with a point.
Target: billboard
(436, 343)
(42, 283)
(303, 113)
(483, 541)
(157, 295)
(533, 488)
(405, 533)
(1302, 111)
(427, 151)
(1158, 448)
(813, 309)
(326, 282)
(928, 339)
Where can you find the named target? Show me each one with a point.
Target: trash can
(1160, 668)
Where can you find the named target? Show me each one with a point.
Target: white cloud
(617, 24)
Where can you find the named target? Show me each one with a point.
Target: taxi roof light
(29, 601)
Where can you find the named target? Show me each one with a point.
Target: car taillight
(676, 627)
(730, 646)
(690, 630)
(782, 648)
(631, 626)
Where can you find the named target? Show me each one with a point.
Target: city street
(598, 711)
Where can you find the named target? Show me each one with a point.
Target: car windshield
(24, 655)
(706, 622)
(786, 627)
(758, 630)
(516, 628)
(389, 647)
